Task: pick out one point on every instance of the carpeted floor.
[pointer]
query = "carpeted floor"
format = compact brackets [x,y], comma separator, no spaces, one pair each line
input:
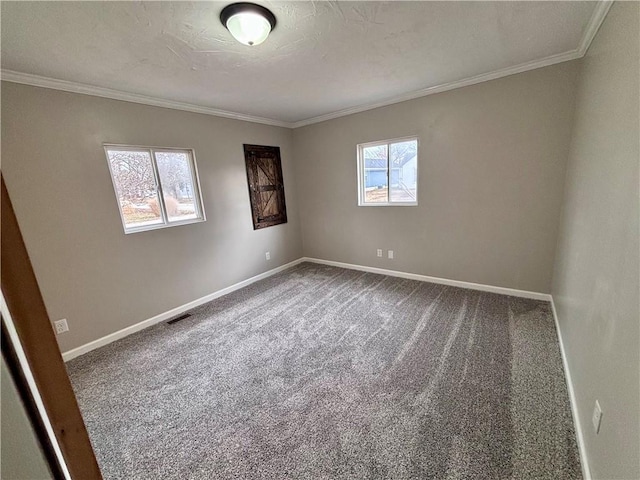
[322,373]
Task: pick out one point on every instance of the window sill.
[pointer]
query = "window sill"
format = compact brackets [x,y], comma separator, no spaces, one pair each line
[393,204]
[160,226]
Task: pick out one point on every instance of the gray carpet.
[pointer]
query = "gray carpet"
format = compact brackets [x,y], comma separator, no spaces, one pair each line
[322,373]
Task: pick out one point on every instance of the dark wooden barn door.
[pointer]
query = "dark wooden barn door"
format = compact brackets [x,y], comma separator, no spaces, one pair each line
[266,186]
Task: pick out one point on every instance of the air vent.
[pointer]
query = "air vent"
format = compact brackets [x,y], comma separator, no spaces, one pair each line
[177,319]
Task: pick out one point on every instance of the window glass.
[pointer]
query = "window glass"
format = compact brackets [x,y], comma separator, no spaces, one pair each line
[136,187]
[174,169]
[388,172]
[154,188]
[403,164]
[376,174]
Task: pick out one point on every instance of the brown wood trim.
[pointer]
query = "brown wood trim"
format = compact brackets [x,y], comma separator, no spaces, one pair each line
[31,320]
[19,380]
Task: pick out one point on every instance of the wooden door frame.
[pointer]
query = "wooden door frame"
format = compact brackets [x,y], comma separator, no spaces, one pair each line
[37,340]
[18,377]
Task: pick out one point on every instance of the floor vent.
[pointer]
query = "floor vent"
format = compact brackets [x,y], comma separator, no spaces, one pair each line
[177,319]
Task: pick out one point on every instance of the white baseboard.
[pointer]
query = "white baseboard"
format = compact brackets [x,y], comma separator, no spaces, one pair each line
[584,461]
[582,449]
[112,337]
[393,273]
[442,281]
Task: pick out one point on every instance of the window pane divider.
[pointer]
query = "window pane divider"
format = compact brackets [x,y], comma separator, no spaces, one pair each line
[388,174]
[159,192]
[195,181]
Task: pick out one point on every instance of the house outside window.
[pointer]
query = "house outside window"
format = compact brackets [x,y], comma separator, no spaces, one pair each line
[388,172]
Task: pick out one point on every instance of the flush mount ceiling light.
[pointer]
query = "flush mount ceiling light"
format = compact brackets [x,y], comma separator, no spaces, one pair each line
[248,23]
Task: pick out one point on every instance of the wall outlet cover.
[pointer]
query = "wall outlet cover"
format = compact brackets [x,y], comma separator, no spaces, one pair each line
[390,253]
[267,255]
[379,252]
[61,326]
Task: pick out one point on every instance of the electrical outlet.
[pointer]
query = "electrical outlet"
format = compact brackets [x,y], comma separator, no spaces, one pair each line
[390,253]
[380,252]
[597,417]
[267,255]
[61,326]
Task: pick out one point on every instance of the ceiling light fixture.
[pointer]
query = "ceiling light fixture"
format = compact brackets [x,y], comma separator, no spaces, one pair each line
[249,23]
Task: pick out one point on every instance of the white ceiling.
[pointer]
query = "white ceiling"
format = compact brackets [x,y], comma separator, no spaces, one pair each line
[323,59]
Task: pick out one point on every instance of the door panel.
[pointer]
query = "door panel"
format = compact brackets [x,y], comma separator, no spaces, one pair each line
[266,185]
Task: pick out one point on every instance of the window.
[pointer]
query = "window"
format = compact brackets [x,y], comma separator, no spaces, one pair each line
[388,172]
[155,187]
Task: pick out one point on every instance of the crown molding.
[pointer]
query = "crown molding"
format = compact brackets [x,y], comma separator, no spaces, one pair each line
[465,82]
[84,89]
[598,16]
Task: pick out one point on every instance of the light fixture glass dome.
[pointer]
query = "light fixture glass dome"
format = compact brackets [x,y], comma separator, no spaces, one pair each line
[249,28]
[249,23]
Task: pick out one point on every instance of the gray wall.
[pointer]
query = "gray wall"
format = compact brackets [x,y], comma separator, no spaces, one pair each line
[492,163]
[492,178]
[89,271]
[596,286]
[22,457]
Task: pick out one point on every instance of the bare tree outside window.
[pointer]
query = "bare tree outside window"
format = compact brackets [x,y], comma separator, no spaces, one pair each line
[155,188]
[177,185]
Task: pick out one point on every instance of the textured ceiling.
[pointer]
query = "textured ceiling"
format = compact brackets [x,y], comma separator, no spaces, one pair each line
[322,57]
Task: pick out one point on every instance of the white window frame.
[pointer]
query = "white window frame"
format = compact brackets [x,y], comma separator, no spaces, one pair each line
[361,172]
[195,179]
